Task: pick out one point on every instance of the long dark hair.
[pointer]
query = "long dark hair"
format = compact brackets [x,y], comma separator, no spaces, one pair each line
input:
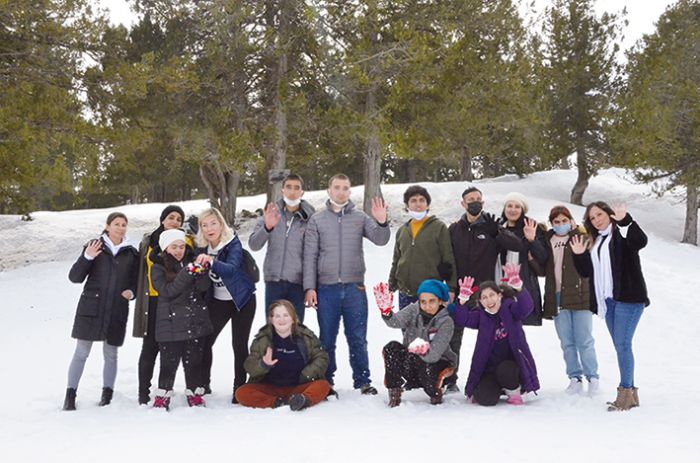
[587,221]
[173,266]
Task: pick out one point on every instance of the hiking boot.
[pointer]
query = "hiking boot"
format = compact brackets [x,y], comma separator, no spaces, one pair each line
[624,400]
[593,387]
[195,399]
[394,397]
[635,397]
[368,389]
[575,386]
[106,399]
[69,401]
[162,399]
[437,398]
[298,402]
[451,388]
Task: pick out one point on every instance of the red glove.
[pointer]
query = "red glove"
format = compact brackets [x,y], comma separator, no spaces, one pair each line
[466,289]
[384,298]
[511,276]
[419,346]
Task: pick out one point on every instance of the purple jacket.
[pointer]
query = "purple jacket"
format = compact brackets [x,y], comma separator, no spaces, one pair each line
[513,311]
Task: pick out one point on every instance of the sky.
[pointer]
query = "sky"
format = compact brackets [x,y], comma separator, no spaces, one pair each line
[641,14]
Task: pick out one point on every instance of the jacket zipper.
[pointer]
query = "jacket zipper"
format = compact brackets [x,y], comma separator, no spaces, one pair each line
[340,244]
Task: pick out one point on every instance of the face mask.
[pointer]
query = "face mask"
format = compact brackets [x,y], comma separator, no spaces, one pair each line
[474,208]
[417,215]
[340,206]
[562,229]
[291,202]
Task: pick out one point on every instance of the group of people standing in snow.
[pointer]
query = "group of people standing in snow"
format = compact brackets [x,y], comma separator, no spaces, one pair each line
[480,272]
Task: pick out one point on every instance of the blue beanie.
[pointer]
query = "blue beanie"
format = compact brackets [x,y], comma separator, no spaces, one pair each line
[438,288]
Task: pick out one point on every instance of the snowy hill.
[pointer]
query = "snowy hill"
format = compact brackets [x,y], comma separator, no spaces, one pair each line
[35,349]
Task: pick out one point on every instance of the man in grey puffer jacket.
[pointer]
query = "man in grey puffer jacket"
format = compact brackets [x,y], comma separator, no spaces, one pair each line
[334,273]
[282,227]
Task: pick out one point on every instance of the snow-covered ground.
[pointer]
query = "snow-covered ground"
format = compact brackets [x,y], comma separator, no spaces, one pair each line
[35,349]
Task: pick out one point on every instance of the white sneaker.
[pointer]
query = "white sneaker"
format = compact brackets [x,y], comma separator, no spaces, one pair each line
[575,386]
[593,386]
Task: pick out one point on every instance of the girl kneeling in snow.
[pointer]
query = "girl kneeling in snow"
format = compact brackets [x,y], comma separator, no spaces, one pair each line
[502,361]
[182,317]
[425,358]
[287,364]
[111,265]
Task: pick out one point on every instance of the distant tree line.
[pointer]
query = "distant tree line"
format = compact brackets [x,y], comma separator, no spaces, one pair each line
[202,99]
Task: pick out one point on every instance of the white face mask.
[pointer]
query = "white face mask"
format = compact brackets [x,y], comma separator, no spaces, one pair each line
[340,206]
[417,215]
[291,202]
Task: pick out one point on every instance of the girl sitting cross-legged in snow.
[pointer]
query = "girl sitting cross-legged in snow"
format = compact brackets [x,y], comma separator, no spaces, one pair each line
[182,318]
[502,361]
[287,364]
[424,359]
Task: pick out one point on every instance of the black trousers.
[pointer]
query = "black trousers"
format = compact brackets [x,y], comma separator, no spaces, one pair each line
[403,368]
[149,350]
[220,312]
[191,353]
[491,385]
[456,346]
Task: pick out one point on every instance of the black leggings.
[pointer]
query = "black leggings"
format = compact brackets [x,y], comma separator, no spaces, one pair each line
[491,385]
[149,349]
[191,353]
[220,312]
[401,365]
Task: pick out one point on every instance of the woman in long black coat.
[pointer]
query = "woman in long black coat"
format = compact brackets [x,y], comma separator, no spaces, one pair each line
[110,265]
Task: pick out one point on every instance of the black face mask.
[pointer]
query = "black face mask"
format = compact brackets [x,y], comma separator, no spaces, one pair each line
[474,208]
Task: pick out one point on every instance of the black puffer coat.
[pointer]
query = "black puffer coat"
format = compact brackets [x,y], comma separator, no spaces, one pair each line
[182,311]
[102,311]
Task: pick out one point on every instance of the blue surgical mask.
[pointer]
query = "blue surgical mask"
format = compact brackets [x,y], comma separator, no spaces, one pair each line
[417,215]
[562,229]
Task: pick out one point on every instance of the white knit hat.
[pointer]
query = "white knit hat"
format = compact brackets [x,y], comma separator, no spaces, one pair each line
[168,237]
[518,198]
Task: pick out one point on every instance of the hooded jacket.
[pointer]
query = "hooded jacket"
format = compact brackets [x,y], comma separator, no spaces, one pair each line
[285,243]
[102,311]
[333,251]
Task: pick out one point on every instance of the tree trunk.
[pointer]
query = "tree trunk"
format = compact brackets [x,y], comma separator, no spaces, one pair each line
[466,171]
[135,195]
[412,171]
[690,232]
[582,180]
[373,155]
[222,185]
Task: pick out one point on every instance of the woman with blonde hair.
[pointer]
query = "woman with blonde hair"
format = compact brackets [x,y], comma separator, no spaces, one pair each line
[232,294]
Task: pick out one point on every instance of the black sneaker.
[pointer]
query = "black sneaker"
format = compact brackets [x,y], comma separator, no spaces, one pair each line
[279,402]
[368,389]
[144,398]
[207,390]
[69,402]
[299,402]
[451,388]
[332,393]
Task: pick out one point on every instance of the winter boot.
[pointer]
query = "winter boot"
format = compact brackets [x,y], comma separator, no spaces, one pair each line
[575,386]
[514,397]
[635,397]
[394,397]
[162,399]
[195,399]
[332,394]
[368,389]
[106,399]
[69,401]
[280,402]
[437,398]
[623,401]
[299,402]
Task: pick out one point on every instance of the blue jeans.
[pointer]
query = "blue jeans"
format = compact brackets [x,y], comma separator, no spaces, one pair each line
[574,328]
[275,290]
[349,301]
[405,300]
[622,319]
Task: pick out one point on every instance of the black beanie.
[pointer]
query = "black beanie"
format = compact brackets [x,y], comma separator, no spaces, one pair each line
[172,208]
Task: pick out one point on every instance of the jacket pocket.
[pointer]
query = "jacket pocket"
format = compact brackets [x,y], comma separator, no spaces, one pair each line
[89,304]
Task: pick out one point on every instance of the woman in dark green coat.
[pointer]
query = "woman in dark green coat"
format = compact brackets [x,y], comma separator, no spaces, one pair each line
[287,364]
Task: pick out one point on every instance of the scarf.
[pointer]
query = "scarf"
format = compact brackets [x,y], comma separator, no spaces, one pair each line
[602,269]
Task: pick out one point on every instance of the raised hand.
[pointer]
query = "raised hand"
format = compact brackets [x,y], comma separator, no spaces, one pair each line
[511,276]
[530,229]
[380,210]
[490,224]
[466,289]
[578,244]
[271,216]
[267,358]
[619,212]
[384,298]
[94,248]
